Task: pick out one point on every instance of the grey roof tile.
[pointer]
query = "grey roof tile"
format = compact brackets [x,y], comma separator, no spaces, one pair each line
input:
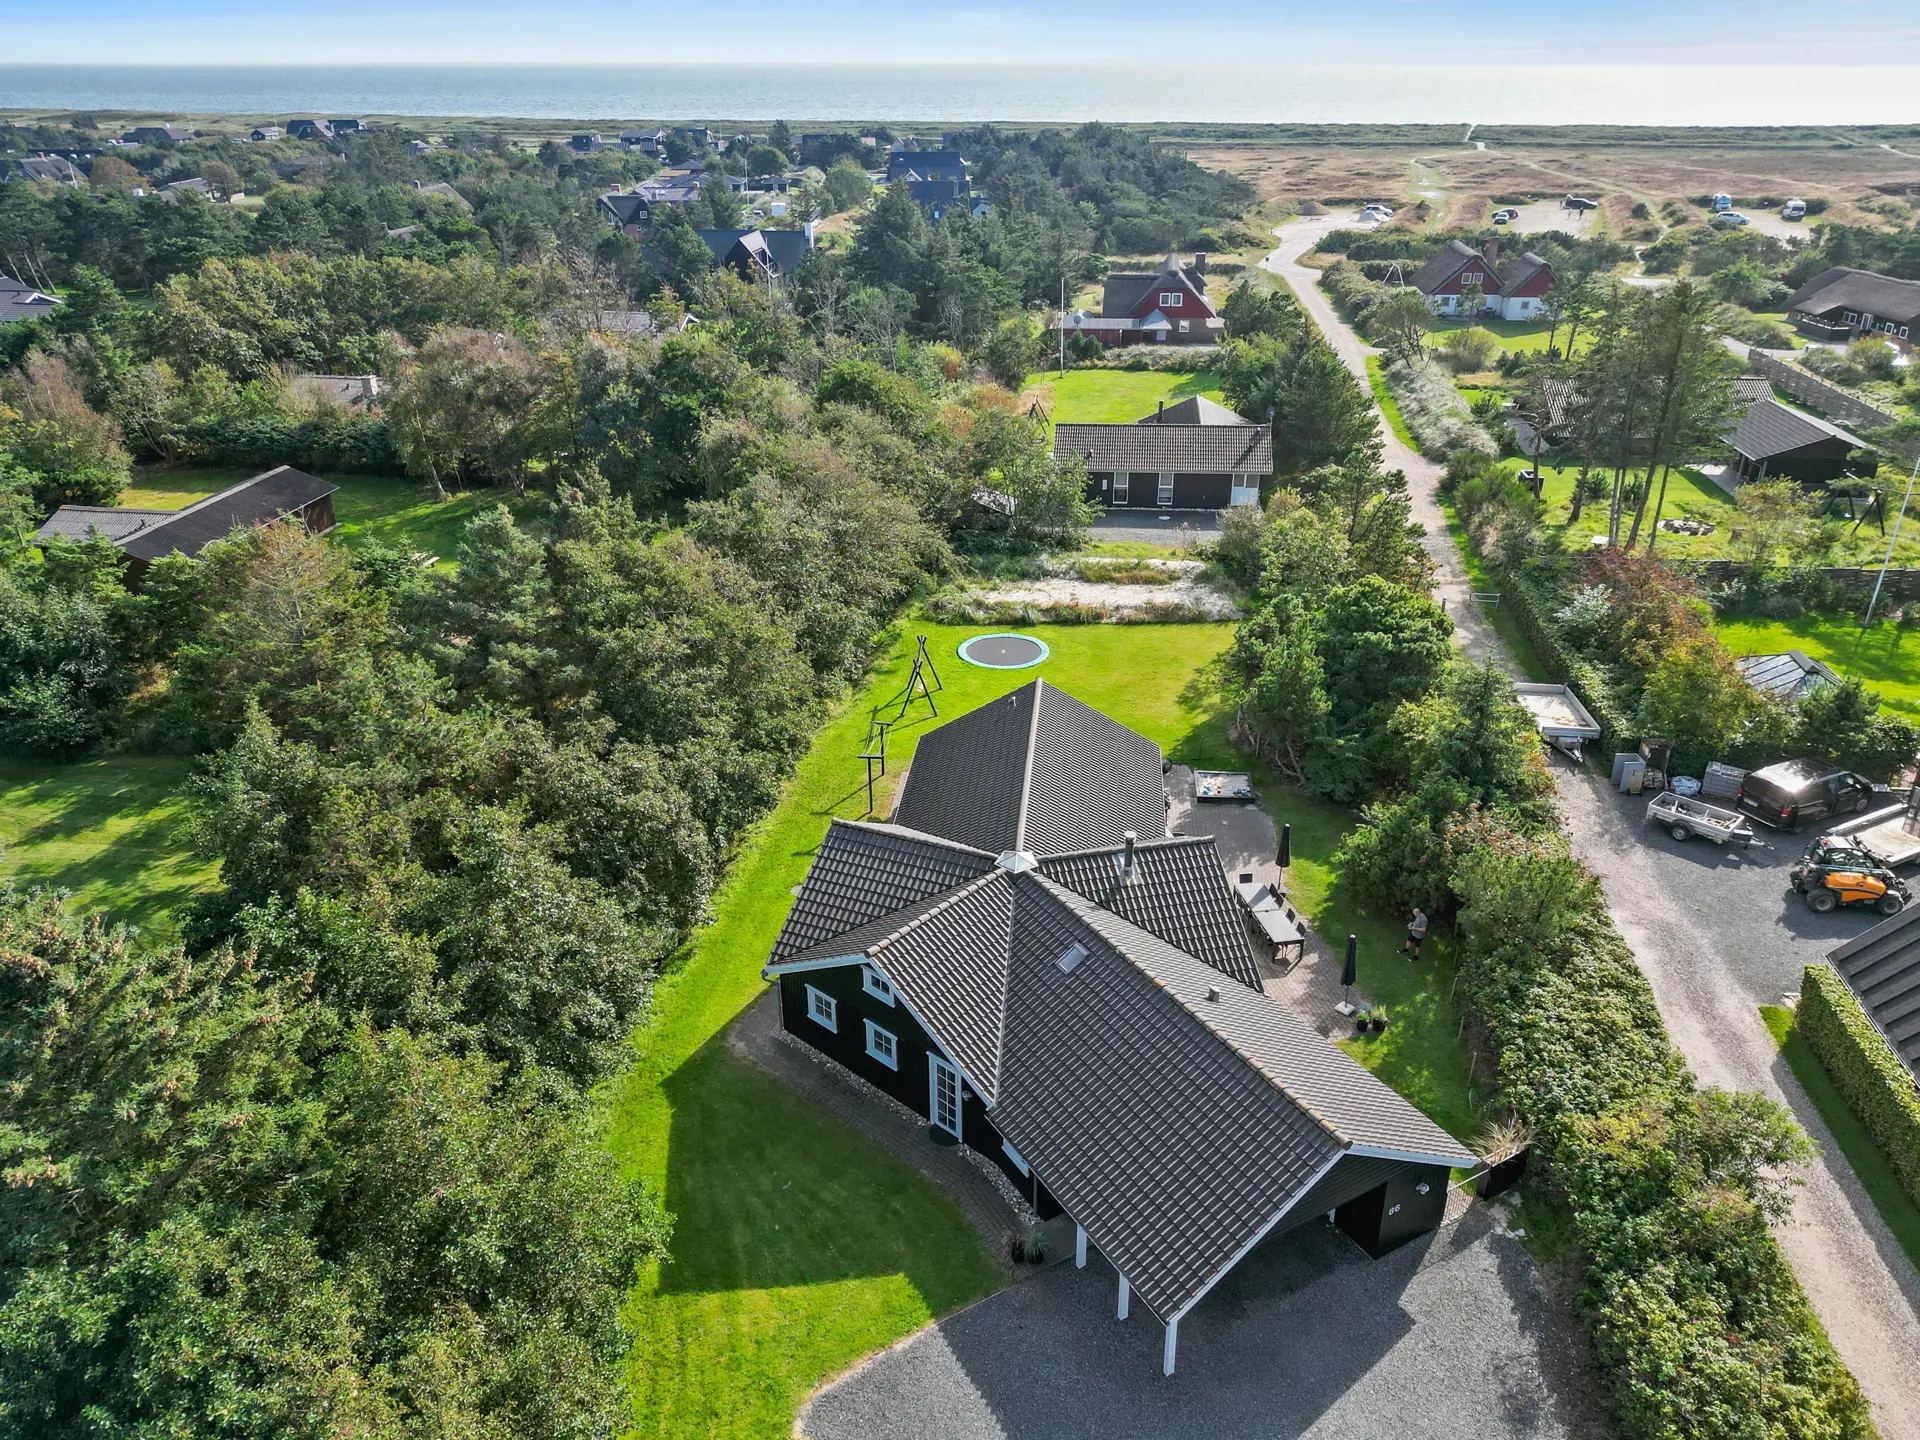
[1182,449]
[968,777]
[1882,968]
[1844,288]
[1770,428]
[1194,410]
[117,523]
[1157,1138]
[1179,892]
[264,498]
[862,872]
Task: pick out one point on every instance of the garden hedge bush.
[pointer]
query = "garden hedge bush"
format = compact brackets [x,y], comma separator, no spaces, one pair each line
[1866,1070]
[358,443]
[1521,598]
[1699,1324]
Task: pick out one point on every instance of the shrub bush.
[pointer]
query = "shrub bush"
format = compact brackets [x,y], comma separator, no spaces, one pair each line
[1698,1322]
[1866,1070]
[1435,412]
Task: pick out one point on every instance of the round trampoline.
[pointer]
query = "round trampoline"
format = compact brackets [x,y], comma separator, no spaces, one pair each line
[1003,651]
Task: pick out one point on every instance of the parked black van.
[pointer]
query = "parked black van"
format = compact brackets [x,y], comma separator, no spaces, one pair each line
[1795,792]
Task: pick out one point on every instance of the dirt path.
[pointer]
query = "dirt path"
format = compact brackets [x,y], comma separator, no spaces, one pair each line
[1452,587]
[1859,1281]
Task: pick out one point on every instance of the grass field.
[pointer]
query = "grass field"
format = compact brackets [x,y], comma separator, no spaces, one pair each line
[1115,397]
[1389,407]
[112,831]
[1870,1166]
[390,509]
[1886,657]
[1693,496]
[798,1246]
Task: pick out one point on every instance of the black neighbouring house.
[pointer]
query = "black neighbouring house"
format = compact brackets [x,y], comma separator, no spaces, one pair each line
[1773,440]
[1193,455]
[1025,957]
[146,535]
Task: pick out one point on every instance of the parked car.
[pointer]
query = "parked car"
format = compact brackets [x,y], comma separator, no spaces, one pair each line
[1579,202]
[1383,212]
[1721,204]
[1505,217]
[1730,220]
[1794,210]
[1797,792]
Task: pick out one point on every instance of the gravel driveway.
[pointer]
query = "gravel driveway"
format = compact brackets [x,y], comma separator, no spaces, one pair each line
[1449,1335]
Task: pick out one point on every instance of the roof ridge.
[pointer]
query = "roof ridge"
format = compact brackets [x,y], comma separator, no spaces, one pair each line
[1116,849]
[1097,921]
[1026,777]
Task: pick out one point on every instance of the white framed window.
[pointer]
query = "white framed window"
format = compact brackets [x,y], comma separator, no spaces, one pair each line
[882,1046]
[1120,479]
[823,1010]
[943,1099]
[1171,300]
[876,984]
[1903,332]
[1014,1155]
[1852,317]
[1166,488]
[1183,326]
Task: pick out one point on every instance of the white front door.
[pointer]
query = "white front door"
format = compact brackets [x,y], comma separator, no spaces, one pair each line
[943,1103]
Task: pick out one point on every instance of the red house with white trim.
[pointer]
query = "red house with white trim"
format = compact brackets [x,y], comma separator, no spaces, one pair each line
[1167,306]
[1458,270]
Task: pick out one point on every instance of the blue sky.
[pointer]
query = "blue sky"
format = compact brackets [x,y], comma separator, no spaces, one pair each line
[1441,32]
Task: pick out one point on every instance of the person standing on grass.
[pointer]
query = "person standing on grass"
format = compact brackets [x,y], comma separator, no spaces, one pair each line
[1416,932]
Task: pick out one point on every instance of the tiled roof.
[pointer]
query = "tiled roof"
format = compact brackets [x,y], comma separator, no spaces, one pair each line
[862,872]
[1179,892]
[1882,968]
[1194,410]
[1752,389]
[1164,1144]
[1036,770]
[20,301]
[77,522]
[1844,288]
[1444,266]
[1203,449]
[1770,428]
[252,502]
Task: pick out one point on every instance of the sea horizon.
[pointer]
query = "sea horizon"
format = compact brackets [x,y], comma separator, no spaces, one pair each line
[1014,93]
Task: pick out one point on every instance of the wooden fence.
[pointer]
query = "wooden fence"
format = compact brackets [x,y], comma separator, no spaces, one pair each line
[1833,402]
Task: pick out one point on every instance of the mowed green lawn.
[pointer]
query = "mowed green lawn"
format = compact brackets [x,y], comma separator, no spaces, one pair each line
[385,509]
[113,831]
[1693,496]
[799,1246]
[1886,657]
[1115,397]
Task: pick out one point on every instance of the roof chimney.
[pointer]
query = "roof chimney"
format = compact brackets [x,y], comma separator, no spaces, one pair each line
[1213,992]
[1160,415]
[1127,870]
[1492,251]
[1199,262]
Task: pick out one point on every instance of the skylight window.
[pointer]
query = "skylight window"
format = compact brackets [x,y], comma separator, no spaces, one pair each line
[1070,958]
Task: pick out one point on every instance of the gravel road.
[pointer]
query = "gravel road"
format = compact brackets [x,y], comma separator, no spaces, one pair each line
[1717,938]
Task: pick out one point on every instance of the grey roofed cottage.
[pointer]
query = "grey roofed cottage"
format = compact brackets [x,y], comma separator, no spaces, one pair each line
[56,168]
[1774,439]
[154,134]
[1168,461]
[354,393]
[20,301]
[144,536]
[1842,303]
[1065,988]
[1882,968]
[759,254]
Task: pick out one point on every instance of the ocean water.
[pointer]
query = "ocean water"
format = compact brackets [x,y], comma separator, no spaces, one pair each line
[1321,94]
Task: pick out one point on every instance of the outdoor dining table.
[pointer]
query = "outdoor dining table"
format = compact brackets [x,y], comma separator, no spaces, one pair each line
[1277,920]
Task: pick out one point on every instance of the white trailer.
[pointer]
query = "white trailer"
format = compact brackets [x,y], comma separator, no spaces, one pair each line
[1561,719]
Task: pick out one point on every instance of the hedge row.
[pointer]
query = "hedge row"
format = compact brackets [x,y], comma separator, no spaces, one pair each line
[357,443]
[1699,1324]
[1866,1070]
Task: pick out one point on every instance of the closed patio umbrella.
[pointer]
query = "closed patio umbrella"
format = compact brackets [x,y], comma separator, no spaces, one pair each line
[1286,846]
[1350,972]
